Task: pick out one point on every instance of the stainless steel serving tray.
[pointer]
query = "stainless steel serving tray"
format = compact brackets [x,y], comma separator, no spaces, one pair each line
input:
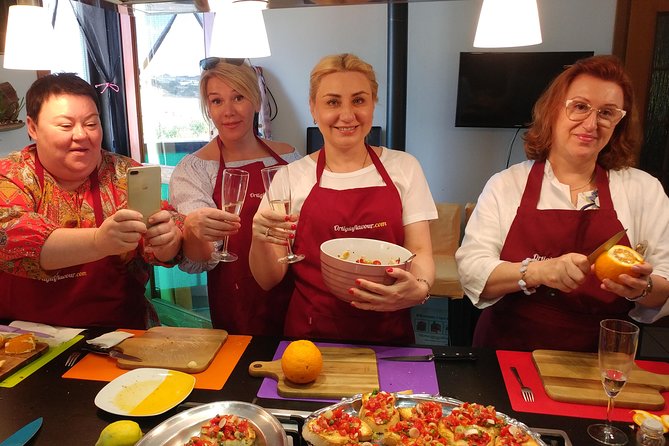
[352,407]
[177,430]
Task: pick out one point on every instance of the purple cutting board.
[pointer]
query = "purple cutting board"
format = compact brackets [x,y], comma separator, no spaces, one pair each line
[394,376]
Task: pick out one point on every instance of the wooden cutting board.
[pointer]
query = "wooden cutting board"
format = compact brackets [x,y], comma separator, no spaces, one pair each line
[575,378]
[189,350]
[14,362]
[346,372]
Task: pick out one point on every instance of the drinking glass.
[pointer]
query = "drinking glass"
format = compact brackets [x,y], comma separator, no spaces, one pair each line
[277,188]
[235,184]
[617,347]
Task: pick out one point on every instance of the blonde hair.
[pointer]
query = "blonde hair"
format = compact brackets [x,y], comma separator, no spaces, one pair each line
[240,77]
[338,63]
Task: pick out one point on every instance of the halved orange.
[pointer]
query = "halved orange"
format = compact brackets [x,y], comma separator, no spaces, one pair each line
[639,415]
[616,261]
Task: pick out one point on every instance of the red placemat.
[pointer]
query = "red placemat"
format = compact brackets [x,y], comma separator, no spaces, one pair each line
[543,404]
[103,368]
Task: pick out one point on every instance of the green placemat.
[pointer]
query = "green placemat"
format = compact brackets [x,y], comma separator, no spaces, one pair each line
[28,370]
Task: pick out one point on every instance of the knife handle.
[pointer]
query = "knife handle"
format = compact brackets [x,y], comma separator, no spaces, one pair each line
[468,356]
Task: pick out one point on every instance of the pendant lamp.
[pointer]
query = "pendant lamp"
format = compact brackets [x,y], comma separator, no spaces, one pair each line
[239,30]
[508,23]
[29,38]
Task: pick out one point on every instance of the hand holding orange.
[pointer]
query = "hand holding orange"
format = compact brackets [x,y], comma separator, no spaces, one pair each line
[301,362]
[616,261]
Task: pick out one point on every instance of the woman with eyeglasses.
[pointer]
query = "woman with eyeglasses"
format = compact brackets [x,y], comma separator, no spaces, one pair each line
[348,189]
[524,255]
[229,97]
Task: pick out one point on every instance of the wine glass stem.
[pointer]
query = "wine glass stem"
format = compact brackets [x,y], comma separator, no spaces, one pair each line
[609,409]
[224,250]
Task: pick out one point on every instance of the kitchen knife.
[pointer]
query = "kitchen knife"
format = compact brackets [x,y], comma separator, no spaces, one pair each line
[434,357]
[606,245]
[23,435]
[114,353]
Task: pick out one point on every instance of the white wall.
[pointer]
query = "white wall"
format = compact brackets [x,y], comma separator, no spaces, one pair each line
[13,140]
[457,161]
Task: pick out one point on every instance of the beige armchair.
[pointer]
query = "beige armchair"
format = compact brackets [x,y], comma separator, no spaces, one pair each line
[445,233]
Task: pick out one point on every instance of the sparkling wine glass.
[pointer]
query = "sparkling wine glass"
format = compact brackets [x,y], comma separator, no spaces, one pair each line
[277,188]
[618,340]
[235,184]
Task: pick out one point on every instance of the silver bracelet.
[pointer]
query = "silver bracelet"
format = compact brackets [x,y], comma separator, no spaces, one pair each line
[646,291]
[428,290]
[523,270]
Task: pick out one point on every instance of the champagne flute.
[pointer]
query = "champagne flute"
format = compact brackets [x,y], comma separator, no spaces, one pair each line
[618,341]
[277,188]
[235,184]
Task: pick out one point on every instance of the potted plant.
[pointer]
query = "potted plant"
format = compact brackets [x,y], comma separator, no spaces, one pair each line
[10,106]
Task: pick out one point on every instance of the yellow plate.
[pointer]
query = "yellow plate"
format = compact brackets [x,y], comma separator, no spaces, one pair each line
[145,392]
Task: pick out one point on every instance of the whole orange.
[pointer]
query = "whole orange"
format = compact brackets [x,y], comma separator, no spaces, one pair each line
[301,362]
[616,261]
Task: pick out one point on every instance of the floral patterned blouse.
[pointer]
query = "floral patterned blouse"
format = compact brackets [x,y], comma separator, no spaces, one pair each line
[29,212]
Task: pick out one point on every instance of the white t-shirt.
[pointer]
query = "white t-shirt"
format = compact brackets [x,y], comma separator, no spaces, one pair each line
[638,198]
[403,169]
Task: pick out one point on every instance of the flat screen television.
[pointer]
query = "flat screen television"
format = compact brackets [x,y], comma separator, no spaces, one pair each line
[499,89]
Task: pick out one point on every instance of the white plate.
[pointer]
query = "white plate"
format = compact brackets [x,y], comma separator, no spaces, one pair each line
[145,392]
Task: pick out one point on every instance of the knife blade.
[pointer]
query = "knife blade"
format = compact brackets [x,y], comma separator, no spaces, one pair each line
[112,352]
[434,357]
[615,238]
[23,435]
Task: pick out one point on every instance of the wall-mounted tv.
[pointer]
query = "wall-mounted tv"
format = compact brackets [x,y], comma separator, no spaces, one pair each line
[499,89]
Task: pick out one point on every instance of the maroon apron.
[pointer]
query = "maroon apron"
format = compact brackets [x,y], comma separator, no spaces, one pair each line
[314,312]
[551,319]
[101,293]
[236,302]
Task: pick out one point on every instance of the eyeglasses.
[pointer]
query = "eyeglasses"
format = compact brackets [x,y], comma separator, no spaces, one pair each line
[580,111]
[210,62]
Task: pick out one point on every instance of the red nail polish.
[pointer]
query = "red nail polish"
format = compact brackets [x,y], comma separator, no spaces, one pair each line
[291,236]
[293,226]
[350,291]
[389,270]
[286,218]
[357,282]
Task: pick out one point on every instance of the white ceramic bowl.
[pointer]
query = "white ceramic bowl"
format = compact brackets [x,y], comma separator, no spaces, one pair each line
[339,273]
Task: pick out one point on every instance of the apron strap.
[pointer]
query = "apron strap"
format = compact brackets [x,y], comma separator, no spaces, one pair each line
[221,166]
[95,189]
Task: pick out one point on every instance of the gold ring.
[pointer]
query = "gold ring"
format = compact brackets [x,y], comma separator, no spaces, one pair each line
[267,232]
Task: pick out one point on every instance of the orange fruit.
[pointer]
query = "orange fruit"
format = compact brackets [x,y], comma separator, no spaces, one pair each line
[640,415]
[301,362]
[616,261]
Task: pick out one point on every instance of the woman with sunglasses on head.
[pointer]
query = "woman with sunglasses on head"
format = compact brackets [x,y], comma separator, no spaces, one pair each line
[230,97]
[348,189]
[524,255]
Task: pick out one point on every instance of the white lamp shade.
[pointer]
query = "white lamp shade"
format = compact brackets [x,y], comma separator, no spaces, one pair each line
[508,23]
[239,31]
[29,38]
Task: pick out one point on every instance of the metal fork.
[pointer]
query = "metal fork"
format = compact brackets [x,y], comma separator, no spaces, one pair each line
[72,359]
[528,396]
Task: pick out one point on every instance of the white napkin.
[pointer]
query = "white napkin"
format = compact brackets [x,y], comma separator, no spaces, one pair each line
[60,334]
[110,339]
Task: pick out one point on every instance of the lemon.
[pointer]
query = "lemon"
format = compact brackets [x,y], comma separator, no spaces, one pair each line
[120,433]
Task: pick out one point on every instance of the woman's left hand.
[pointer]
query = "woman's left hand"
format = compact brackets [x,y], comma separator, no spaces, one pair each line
[404,293]
[629,286]
[163,236]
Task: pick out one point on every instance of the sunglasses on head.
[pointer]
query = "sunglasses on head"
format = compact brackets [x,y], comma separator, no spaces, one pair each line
[210,62]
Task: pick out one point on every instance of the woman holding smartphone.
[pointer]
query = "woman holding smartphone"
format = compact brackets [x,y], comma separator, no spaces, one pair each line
[230,97]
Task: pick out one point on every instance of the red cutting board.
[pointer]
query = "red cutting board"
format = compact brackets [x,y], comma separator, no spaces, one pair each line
[574,377]
[15,362]
[188,350]
[346,372]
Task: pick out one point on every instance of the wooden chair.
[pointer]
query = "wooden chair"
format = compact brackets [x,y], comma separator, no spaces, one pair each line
[445,233]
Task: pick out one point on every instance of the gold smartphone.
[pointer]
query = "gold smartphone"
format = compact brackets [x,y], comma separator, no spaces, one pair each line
[144,190]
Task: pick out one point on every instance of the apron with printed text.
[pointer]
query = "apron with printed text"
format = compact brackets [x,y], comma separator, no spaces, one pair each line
[102,293]
[314,312]
[236,301]
[551,319]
